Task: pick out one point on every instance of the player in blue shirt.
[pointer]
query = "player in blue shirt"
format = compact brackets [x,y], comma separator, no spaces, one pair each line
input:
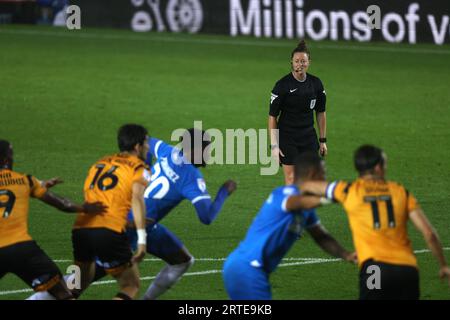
[279,223]
[175,177]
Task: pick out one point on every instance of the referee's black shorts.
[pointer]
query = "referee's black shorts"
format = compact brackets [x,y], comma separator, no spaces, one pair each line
[291,149]
[396,282]
[109,248]
[31,264]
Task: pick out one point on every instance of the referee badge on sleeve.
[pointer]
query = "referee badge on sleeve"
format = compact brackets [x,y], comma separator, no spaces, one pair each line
[273,97]
[312,104]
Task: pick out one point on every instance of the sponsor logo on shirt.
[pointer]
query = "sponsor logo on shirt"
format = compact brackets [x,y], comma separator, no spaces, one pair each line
[201,184]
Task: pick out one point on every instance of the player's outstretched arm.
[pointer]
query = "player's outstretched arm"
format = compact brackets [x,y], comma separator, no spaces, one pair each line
[431,237]
[207,211]
[138,208]
[67,205]
[51,182]
[305,202]
[318,188]
[330,245]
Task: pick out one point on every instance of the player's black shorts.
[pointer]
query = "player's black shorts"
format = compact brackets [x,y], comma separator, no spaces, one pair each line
[31,264]
[397,282]
[292,150]
[110,248]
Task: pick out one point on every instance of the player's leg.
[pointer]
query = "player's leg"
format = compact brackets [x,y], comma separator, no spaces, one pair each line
[288,171]
[245,282]
[99,271]
[287,161]
[165,245]
[87,272]
[128,281]
[84,243]
[35,268]
[114,254]
[45,295]
[12,261]
[290,153]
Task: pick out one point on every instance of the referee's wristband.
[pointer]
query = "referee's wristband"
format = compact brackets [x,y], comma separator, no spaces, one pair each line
[142,236]
[322,140]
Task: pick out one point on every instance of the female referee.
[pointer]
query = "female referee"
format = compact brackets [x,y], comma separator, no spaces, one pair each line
[292,102]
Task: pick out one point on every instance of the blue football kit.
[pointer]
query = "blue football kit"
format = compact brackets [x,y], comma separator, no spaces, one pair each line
[272,233]
[173,179]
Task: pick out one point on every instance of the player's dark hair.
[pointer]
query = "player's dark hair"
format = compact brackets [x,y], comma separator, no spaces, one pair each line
[305,162]
[191,140]
[301,47]
[130,135]
[193,134]
[5,147]
[367,157]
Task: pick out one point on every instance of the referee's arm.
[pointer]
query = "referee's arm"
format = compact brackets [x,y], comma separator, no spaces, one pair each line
[321,118]
[273,125]
[274,111]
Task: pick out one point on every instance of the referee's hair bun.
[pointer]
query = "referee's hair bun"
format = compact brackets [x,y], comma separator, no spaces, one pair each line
[301,47]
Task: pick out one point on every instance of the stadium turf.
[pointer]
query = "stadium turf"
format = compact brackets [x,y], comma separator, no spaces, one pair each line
[63,94]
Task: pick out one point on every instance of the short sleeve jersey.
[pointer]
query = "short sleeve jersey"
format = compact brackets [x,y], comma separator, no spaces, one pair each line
[15,192]
[110,181]
[378,213]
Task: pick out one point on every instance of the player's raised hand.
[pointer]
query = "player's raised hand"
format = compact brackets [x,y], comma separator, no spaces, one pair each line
[444,272]
[140,254]
[94,207]
[230,185]
[51,182]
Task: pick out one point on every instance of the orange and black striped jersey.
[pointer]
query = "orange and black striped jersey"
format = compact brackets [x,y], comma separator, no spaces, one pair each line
[378,212]
[15,192]
[110,181]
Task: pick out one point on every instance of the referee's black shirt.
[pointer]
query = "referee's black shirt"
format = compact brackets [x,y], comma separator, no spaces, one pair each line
[296,100]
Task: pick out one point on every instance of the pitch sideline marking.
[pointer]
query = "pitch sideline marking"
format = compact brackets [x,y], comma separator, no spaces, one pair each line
[199,259]
[188,274]
[206,272]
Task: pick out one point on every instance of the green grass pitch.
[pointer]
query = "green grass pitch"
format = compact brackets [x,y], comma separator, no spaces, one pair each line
[63,94]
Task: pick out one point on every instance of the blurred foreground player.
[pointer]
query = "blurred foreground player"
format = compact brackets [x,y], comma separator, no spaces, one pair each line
[19,254]
[277,226]
[378,211]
